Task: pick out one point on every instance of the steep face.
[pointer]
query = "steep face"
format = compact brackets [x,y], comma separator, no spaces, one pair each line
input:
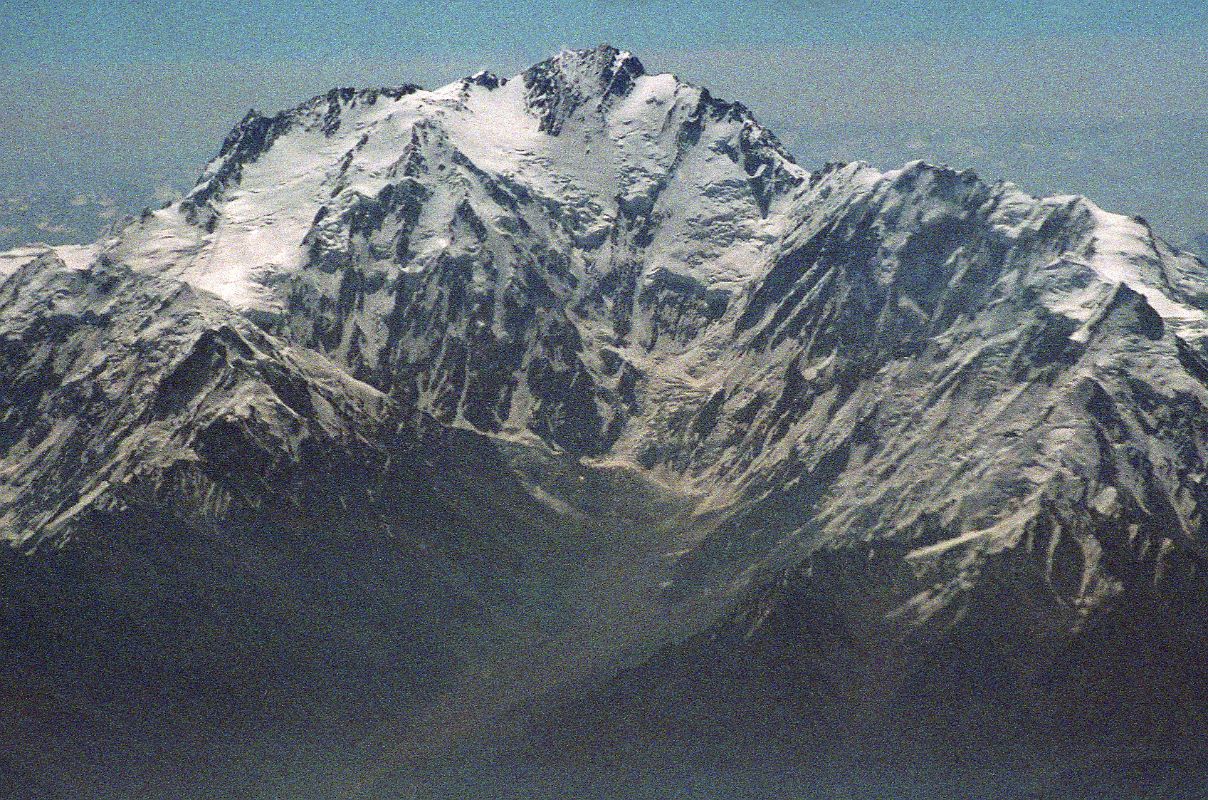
[983,388]
[489,250]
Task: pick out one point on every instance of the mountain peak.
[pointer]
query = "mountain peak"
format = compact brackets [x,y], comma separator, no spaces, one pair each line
[560,86]
[600,62]
[485,79]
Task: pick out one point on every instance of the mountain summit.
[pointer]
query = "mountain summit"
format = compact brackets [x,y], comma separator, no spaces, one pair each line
[567,414]
[573,79]
[553,207]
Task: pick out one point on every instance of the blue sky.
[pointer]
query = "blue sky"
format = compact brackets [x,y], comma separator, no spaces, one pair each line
[1110,99]
[124,31]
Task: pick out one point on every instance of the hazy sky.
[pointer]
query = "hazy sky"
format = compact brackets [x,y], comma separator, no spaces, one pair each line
[125,31]
[1105,98]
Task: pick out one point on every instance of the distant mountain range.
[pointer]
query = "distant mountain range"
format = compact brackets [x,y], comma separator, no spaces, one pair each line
[66,219]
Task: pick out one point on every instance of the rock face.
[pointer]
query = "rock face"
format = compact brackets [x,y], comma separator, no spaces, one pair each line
[581,362]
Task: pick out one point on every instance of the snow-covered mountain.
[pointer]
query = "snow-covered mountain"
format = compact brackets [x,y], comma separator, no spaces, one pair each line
[543,223]
[643,412]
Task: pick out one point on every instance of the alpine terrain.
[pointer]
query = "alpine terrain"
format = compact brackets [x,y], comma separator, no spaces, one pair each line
[561,436]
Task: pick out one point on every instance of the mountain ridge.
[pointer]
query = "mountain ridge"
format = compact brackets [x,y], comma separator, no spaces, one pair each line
[838,421]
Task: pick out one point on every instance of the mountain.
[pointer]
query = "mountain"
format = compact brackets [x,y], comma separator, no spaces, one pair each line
[564,420]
